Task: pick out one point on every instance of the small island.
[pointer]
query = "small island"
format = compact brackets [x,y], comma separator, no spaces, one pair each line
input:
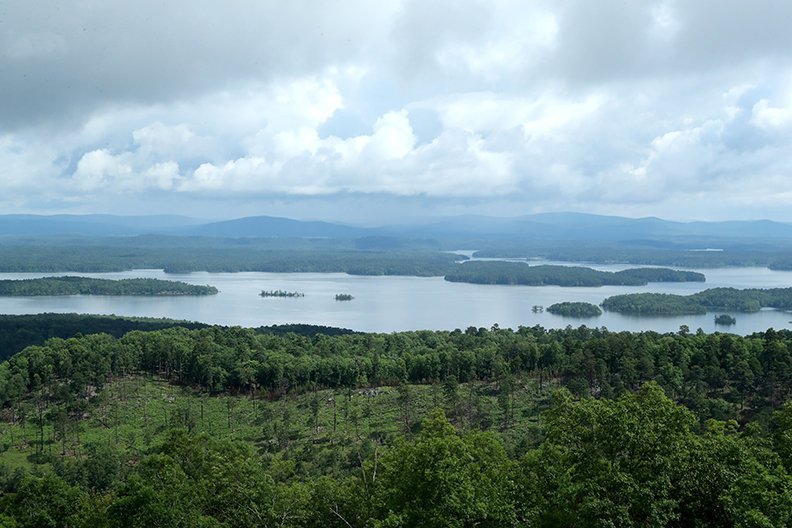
[67,285]
[713,299]
[653,304]
[343,297]
[281,293]
[575,309]
[520,273]
[725,320]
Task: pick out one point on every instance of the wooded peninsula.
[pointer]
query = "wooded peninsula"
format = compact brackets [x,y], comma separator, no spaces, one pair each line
[87,286]
[499,272]
[713,299]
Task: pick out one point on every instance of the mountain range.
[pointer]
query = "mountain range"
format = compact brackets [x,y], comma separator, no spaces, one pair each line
[545,227]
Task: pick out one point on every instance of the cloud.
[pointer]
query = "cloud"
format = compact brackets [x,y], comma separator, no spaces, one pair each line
[498,107]
[770,117]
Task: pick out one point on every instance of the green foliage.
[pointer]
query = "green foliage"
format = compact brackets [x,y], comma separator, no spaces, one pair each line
[443,479]
[715,374]
[652,304]
[20,331]
[725,319]
[498,272]
[575,309]
[44,502]
[87,286]
[634,461]
[221,427]
[747,300]
[782,434]
[637,461]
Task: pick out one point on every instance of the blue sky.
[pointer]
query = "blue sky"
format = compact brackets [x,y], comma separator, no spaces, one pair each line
[372,112]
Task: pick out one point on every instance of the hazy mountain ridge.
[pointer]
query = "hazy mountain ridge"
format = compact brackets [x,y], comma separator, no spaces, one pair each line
[545,226]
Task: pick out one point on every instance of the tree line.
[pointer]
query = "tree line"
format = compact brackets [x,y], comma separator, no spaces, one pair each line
[68,285]
[716,375]
[499,272]
[712,299]
[182,255]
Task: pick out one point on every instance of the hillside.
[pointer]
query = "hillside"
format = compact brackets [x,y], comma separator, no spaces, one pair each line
[232,427]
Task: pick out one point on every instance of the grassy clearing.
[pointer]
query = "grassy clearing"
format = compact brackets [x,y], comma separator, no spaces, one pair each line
[320,432]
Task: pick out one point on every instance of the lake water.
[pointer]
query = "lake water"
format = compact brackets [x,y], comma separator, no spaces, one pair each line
[387,304]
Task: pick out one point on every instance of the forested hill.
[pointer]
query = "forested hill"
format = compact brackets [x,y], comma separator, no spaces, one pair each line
[717,375]
[88,286]
[20,331]
[227,427]
[498,272]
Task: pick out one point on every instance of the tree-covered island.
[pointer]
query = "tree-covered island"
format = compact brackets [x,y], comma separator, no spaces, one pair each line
[713,299]
[725,320]
[575,309]
[281,293]
[652,304]
[88,286]
[520,273]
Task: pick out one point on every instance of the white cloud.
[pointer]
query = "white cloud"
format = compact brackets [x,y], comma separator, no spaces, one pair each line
[553,105]
[99,169]
[768,117]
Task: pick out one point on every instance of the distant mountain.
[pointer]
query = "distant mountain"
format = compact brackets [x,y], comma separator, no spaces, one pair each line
[579,226]
[270,226]
[538,227]
[92,225]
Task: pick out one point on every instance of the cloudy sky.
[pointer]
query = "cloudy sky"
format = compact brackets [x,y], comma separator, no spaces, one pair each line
[374,111]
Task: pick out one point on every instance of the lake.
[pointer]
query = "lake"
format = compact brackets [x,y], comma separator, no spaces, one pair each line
[388,304]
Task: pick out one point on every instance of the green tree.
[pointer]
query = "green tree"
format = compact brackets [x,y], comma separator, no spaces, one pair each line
[444,479]
[606,463]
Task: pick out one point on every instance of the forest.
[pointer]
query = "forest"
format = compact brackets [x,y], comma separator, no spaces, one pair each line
[691,254]
[87,286]
[499,272]
[493,427]
[186,255]
[575,309]
[712,299]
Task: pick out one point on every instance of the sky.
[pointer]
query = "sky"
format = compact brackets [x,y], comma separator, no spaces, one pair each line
[375,112]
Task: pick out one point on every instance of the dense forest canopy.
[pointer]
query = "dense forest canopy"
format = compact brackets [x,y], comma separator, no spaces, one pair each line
[709,373]
[575,309]
[20,331]
[647,429]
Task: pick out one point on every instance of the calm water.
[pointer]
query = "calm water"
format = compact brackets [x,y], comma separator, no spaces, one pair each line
[386,304]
